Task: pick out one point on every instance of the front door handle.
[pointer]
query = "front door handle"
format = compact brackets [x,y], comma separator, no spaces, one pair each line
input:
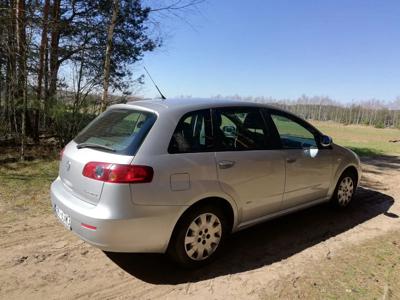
[226,164]
[290,160]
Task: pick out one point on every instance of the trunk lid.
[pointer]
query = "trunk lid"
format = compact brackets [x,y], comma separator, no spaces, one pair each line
[113,137]
[71,166]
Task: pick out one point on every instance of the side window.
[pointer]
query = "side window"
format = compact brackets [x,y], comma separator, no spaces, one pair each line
[192,134]
[238,129]
[292,134]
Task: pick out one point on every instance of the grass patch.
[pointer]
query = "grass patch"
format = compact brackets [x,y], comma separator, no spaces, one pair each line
[25,187]
[366,151]
[364,140]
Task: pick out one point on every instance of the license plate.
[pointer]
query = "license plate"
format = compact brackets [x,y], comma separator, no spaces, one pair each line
[63,217]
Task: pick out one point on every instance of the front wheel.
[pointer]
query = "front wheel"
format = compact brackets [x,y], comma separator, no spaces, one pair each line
[344,191]
[198,236]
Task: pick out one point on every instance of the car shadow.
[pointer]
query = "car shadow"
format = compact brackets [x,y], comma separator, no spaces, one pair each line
[382,162]
[263,244]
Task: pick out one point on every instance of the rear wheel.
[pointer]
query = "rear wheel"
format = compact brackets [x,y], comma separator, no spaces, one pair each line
[345,189]
[198,236]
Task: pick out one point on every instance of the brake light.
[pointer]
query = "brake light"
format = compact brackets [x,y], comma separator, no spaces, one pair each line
[117,173]
[62,153]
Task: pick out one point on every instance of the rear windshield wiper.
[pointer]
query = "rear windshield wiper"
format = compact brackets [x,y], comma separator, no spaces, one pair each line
[92,145]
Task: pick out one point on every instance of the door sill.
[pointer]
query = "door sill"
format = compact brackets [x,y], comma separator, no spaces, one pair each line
[279,214]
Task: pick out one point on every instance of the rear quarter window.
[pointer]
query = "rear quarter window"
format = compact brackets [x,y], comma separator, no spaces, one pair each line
[120,130]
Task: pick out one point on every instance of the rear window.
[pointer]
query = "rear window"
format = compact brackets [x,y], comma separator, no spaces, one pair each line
[117,130]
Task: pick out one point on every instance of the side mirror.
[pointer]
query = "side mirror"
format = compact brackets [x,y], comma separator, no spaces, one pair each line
[325,140]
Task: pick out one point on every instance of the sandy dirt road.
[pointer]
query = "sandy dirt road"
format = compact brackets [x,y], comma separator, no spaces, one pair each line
[40,259]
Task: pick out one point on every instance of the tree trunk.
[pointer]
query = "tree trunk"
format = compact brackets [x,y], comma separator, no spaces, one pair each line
[7,94]
[22,68]
[12,70]
[107,60]
[46,85]
[54,45]
[2,106]
[42,50]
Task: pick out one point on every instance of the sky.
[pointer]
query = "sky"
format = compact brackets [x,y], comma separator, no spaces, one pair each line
[348,50]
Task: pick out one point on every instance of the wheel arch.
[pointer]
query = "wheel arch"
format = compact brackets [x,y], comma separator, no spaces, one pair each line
[227,206]
[340,171]
[353,170]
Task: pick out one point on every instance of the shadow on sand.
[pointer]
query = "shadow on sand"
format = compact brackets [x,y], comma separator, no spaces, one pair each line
[382,162]
[263,244]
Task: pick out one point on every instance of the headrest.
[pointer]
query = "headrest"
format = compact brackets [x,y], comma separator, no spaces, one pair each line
[253,120]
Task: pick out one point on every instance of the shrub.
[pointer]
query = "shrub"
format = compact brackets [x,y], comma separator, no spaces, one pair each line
[65,124]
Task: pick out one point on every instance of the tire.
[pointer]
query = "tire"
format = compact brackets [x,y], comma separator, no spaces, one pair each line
[198,236]
[344,190]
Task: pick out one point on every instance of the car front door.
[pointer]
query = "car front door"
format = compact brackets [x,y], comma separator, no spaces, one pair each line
[250,168]
[308,165]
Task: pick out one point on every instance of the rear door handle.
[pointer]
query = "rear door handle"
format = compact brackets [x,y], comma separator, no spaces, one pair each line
[290,160]
[226,164]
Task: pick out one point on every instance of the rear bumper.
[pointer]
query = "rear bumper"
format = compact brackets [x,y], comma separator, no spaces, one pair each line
[140,228]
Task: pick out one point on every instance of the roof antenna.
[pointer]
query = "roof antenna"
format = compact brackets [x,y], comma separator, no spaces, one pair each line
[162,96]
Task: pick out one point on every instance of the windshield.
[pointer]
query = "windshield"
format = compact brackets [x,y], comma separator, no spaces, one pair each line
[117,130]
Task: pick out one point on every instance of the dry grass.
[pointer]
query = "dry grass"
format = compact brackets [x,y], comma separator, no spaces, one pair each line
[370,270]
[25,188]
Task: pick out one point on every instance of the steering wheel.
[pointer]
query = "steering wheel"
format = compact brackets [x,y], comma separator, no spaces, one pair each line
[240,143]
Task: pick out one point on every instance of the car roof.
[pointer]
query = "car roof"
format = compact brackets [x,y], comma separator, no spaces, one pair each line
[189,104]
[176,107]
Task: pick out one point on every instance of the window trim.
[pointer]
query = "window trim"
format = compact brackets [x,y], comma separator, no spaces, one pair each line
[181,119]
[268,124]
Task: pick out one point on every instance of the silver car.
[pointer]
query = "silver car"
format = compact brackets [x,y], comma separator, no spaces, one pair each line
[179,175]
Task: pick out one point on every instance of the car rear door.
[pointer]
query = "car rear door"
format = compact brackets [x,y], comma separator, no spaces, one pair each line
[250,167]
[187,172]
[308,166]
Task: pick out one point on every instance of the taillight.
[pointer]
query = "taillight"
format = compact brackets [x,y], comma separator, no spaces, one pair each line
[117,173]
[62,153]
